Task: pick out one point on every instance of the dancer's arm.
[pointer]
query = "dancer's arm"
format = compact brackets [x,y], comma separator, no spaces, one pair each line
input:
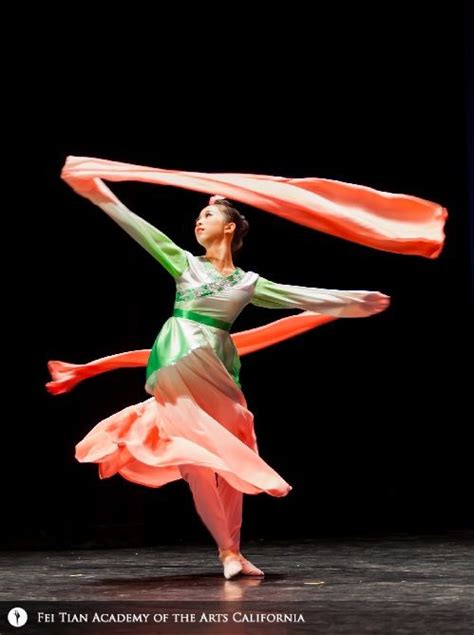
[159,245]
[272,295]
[85,177]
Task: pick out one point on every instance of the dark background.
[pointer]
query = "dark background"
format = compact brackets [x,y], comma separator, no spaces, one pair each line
[370,420]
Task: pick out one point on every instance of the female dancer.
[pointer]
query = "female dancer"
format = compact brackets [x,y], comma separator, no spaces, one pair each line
[197,425]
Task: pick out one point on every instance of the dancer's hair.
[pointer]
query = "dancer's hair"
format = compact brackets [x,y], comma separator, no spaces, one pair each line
[234,216]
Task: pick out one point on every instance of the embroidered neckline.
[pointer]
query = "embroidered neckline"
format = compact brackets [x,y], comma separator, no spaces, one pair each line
[218,283]
[213,269]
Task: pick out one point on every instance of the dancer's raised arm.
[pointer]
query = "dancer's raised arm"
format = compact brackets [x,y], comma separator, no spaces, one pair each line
[85,180]
[158,244]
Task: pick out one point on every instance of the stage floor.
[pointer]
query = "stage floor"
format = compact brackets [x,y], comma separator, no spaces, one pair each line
[397,583]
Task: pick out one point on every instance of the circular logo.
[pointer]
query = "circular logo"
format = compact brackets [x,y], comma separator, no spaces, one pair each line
[17,616]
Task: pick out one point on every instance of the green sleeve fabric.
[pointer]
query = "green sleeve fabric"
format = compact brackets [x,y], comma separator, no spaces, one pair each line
[271,295]
[172,257]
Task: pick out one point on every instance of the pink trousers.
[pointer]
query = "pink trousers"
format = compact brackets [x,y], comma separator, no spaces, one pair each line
[218,504]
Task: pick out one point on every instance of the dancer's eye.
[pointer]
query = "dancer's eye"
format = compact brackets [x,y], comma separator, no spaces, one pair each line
[206,214]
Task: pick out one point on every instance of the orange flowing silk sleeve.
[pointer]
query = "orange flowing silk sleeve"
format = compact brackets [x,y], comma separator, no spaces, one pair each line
[398,223]
[65,375]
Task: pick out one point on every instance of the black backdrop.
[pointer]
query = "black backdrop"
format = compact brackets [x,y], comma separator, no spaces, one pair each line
[369,420]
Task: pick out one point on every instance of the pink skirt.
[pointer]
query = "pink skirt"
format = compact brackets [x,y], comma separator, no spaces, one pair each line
[198,416]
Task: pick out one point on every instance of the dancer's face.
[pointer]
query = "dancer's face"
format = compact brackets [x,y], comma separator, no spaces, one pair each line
[212,225]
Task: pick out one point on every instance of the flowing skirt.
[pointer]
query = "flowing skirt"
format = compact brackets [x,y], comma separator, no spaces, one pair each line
[198,416]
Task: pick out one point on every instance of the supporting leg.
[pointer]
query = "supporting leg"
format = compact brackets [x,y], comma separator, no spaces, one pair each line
[208,503]
[232,503]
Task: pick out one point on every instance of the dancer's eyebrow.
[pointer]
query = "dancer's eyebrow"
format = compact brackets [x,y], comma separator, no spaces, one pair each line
[208,211]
